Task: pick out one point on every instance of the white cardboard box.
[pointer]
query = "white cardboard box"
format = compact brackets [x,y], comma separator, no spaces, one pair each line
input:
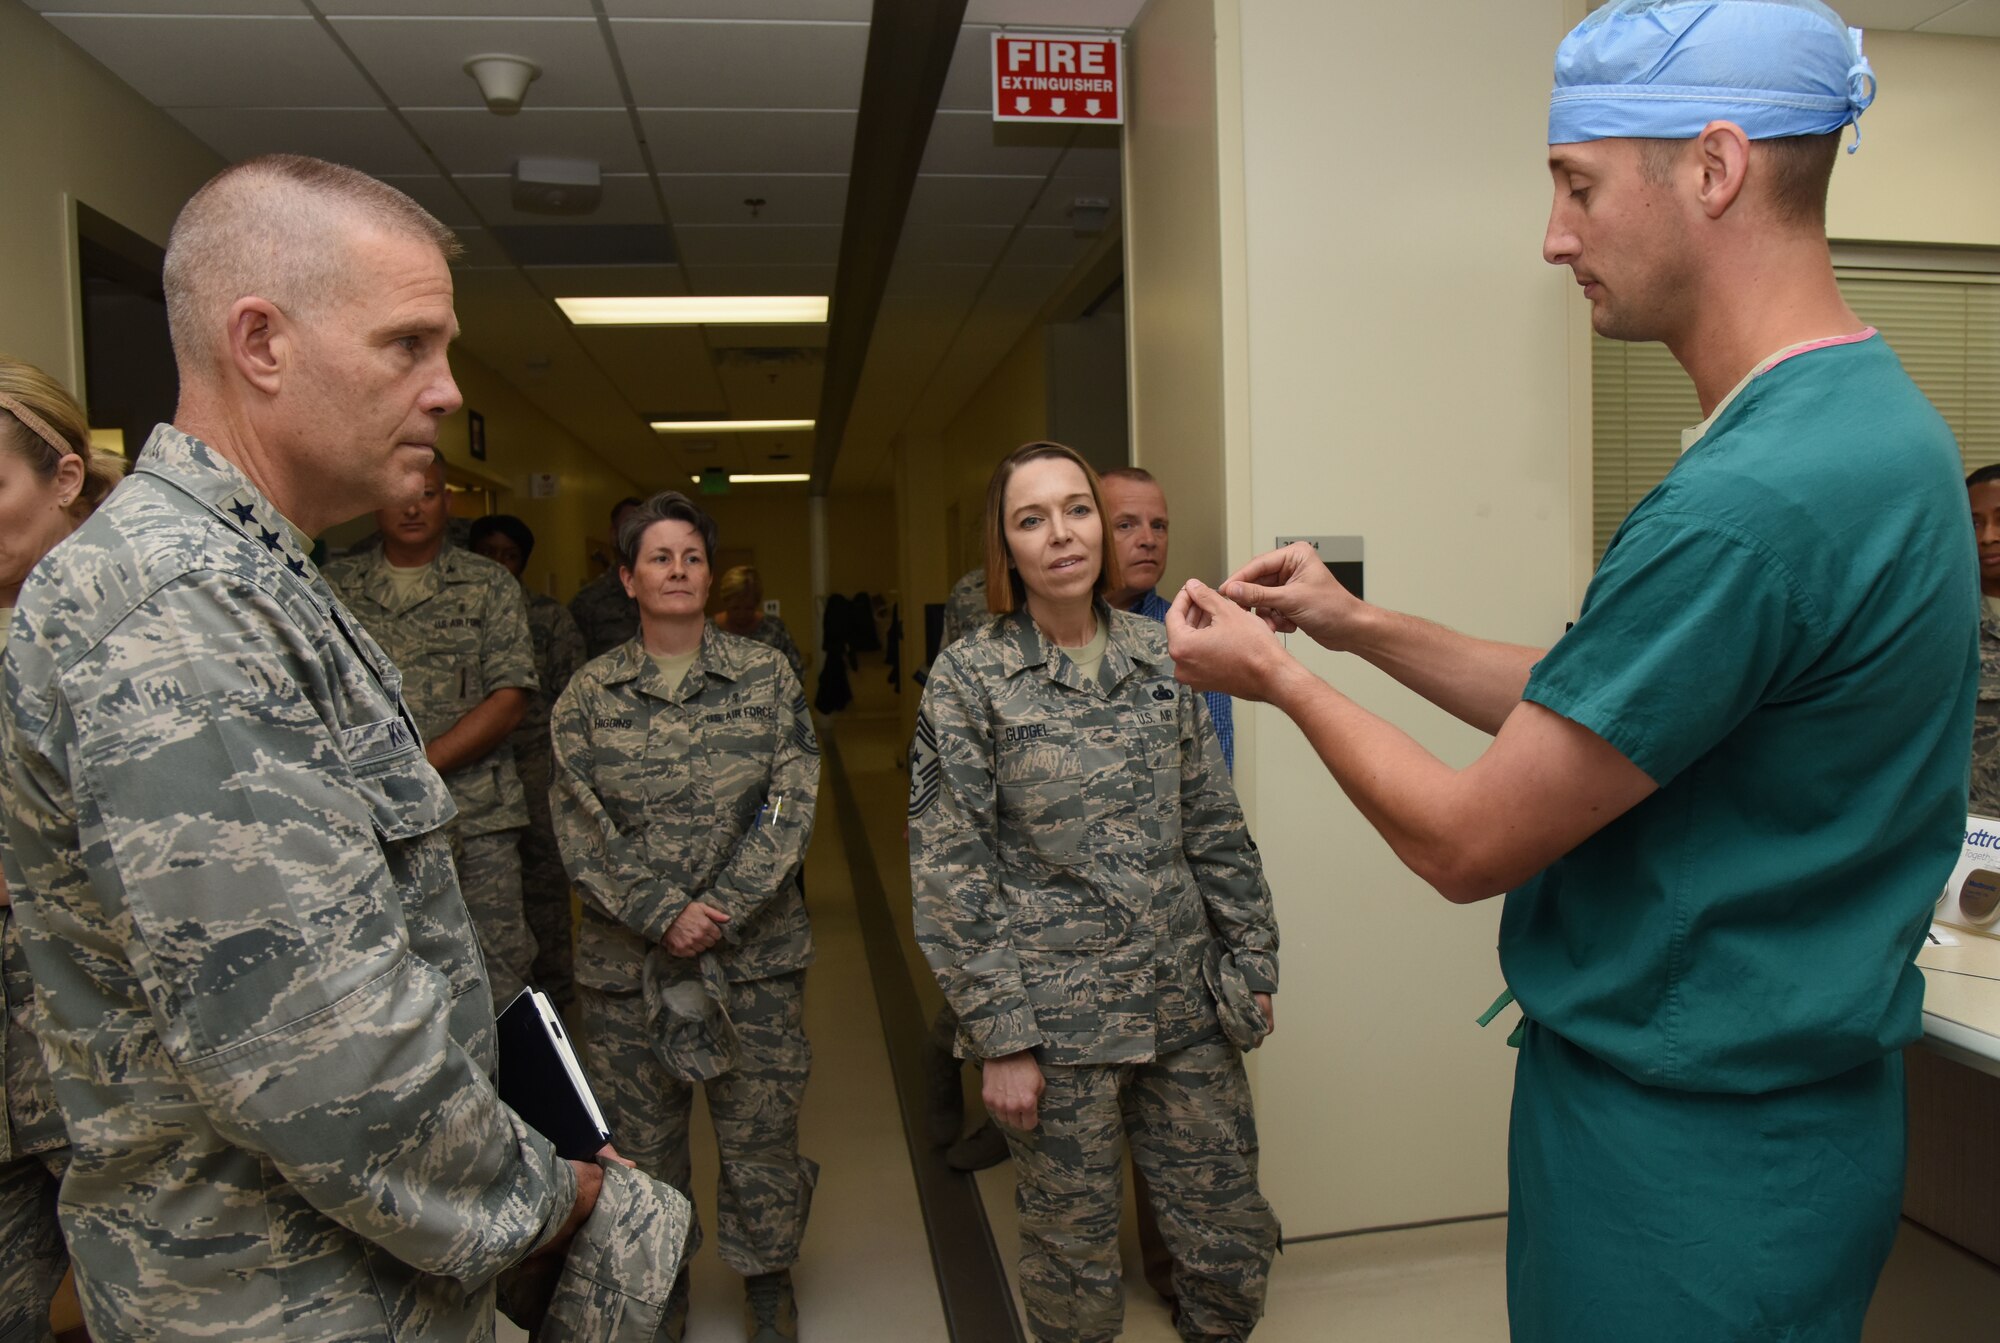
[1972,897]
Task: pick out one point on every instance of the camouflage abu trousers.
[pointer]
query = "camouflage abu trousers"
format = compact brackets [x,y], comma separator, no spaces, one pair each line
[1188,1119]
[32,1257]
[764,1188]
[489,876]
[545,888]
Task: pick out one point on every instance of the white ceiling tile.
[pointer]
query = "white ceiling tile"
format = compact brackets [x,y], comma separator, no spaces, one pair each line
[969,143]
[1057,203]
[969,84]
[1021,288]
[761,279]
[165,6]
[479,142]
[482,252]
[1055,13]
[1975,18]
[369,140]
[659,370]
[628,199]
[775,65]
[435,194]
[961,243]
[914,285]
[420,62]
[858,11]
[757,244]
[463,8]
[971,200]
[750,142]
[612,281]
[807,335]
[221,61]
[1036,246]
[1890,14]
[789,198]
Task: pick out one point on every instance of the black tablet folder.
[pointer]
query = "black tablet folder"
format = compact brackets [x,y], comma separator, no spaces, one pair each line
[541,1080]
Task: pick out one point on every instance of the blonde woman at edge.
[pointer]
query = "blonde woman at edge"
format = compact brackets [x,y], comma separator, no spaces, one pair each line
[1091,903]
[49,482]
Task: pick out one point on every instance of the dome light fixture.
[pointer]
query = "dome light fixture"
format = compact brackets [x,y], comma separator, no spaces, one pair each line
[503,80]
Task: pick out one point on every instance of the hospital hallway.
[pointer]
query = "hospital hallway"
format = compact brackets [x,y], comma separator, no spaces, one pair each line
[901,1249]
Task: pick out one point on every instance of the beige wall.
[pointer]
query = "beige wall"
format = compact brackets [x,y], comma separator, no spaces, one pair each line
[1343,318]
[1926,170]
[74,133]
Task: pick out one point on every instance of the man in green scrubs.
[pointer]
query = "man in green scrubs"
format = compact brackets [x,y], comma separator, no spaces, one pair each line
[1735,788]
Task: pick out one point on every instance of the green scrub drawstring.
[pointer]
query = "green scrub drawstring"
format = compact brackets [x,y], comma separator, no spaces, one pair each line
[1520,1028]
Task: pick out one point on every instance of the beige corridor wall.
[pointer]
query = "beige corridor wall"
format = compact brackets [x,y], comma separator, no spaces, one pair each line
[73,133]
[1925,172]
[1361,316]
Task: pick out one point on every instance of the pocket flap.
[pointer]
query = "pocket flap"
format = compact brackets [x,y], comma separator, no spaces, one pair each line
[406,795]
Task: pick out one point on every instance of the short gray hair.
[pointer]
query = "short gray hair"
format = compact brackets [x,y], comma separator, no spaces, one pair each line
[666,506]
[273,227]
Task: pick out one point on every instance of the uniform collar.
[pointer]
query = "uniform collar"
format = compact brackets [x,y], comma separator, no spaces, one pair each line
[720,654]
[1026,646]
[205,475]
[380,587]
[1989,624]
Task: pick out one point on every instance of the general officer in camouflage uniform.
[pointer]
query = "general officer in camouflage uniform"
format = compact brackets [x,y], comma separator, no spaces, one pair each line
[603,610]
[1982,488]
[456,626]
[741,592]
[686,773]
[1096,914]
[260,996]
[559,655]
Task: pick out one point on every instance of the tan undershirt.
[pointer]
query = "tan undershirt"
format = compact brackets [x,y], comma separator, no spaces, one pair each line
[405,581]
[6,625]
[674,667]
[1089,659]
[1992,609]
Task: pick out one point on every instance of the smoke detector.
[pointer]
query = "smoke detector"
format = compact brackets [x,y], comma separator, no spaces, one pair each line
[557,186]
[503,80]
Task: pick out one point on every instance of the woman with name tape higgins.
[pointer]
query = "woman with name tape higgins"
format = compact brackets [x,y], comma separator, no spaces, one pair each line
[685,775]
[1096,913]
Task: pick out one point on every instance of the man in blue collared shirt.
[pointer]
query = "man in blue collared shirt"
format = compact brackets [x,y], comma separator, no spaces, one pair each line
[1136,508]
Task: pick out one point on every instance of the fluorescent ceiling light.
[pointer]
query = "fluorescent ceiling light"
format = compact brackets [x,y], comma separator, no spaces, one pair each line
[745,310]
[729,426]
[735,479]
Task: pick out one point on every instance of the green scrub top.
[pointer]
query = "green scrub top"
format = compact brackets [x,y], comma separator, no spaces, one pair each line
[1783,636]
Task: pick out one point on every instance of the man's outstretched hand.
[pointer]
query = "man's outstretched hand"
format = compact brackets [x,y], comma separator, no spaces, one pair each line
[1291,589]
[1217,645]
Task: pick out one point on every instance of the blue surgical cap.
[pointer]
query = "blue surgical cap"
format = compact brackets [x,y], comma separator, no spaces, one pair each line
[1663,69]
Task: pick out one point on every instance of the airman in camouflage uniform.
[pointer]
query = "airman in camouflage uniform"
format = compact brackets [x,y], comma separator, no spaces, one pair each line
[664,796]
[1986,723]
[771,632]
[559,655]
[459,635]
[259,991]
[605,613]
[965,608]
[34,1151]
[1082,875]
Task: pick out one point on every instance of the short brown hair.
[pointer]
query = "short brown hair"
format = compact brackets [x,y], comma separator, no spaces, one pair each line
[1798,168]
[666,506]
[40,406]
[1134,473]
[1004,590]
[269,226]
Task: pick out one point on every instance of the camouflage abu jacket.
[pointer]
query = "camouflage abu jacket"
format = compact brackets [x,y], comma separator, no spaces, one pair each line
[964,608]
[771,632]
[271,1036]
[1074,848]
[659,799]
[559,655]
[1986,722]
[460,636]
[605,615]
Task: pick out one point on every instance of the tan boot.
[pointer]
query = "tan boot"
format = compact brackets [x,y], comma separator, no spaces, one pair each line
[770,1312]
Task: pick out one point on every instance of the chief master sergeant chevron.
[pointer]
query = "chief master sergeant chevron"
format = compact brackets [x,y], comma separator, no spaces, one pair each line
[264,1012]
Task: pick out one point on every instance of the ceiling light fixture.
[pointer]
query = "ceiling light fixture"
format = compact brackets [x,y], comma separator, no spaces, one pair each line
[735,479]
[503,80]
[729,426]
[741,310]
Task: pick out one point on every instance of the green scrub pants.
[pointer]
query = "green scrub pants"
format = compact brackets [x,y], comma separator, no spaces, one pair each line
[1640,1213]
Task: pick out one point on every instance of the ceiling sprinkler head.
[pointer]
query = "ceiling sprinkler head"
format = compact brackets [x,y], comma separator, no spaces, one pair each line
[503,80]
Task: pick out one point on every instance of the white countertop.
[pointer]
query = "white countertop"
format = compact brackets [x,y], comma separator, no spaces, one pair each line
[1962,1000]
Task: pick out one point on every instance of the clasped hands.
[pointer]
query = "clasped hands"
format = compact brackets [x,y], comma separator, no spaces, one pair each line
[1221,640]
[698,928]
